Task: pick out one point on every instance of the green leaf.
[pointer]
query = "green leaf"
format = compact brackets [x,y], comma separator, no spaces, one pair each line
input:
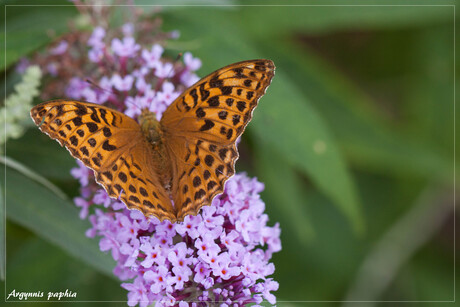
[36,262]
[31,203]
[296,130]
[282,19]
[284,191]
[26,27]
[45,156]
[400,242]
[361,131]
[32,175]
[430,100]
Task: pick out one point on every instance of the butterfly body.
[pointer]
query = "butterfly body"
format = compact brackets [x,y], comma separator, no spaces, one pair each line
[172,167]
[150,127]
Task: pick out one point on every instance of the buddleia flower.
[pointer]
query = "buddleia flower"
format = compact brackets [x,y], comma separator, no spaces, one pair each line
[220,256]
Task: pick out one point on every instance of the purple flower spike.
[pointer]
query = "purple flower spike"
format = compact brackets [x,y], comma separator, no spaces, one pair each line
[222,255]
[75,88]
[52,69]
[102,198]
[153,255]
[22,65]
[167,95]
[210,253]
[164,70]
[152,58]
[191,63]
[81,173]
[83,204]
[128,29]
[96,37]
[137,293]
[122,84]
[96,55]
[125,48]
[60,48]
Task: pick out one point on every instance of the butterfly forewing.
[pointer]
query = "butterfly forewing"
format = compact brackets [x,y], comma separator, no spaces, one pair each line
[111,144]
[218,107]
[202,125]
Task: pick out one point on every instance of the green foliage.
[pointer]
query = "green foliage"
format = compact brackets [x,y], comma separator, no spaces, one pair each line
[61,271]
[293,209]
[45,210]
[357,124]
[26,27]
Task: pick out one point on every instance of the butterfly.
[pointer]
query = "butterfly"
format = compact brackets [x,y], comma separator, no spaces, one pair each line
[168,168]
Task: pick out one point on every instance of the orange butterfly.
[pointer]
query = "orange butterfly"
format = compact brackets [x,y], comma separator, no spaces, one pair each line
[187,156]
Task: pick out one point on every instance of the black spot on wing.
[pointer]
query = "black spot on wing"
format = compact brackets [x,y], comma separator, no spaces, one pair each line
[200,113]
[241,105]
[194,96]
[207,125]
[200,194]
[77,121]
[108,147]
[107,132]
[226,90]
[213,101]
[92,127]
[81,110]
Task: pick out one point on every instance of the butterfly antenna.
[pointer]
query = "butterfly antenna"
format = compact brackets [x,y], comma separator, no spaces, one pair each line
[98,86]
[169,75]
[129,101]
[109,91]
[178,57]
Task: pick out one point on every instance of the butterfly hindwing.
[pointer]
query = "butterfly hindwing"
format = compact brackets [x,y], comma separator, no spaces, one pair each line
[207,166]
[202,126]
[132,178]
[111,144]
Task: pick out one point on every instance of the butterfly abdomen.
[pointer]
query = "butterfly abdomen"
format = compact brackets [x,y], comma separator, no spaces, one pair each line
[151,130]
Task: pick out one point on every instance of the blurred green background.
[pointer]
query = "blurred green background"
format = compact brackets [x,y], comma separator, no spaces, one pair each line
[354,141]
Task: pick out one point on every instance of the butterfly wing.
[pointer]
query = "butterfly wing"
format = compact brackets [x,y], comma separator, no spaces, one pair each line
[111,144]
[201,127]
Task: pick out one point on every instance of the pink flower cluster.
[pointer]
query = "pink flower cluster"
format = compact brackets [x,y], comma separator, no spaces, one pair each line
[219,256]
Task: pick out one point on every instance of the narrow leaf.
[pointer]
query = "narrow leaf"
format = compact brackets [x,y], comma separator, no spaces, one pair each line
[335,15]
[367,139]
[283,189]
[45,212]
